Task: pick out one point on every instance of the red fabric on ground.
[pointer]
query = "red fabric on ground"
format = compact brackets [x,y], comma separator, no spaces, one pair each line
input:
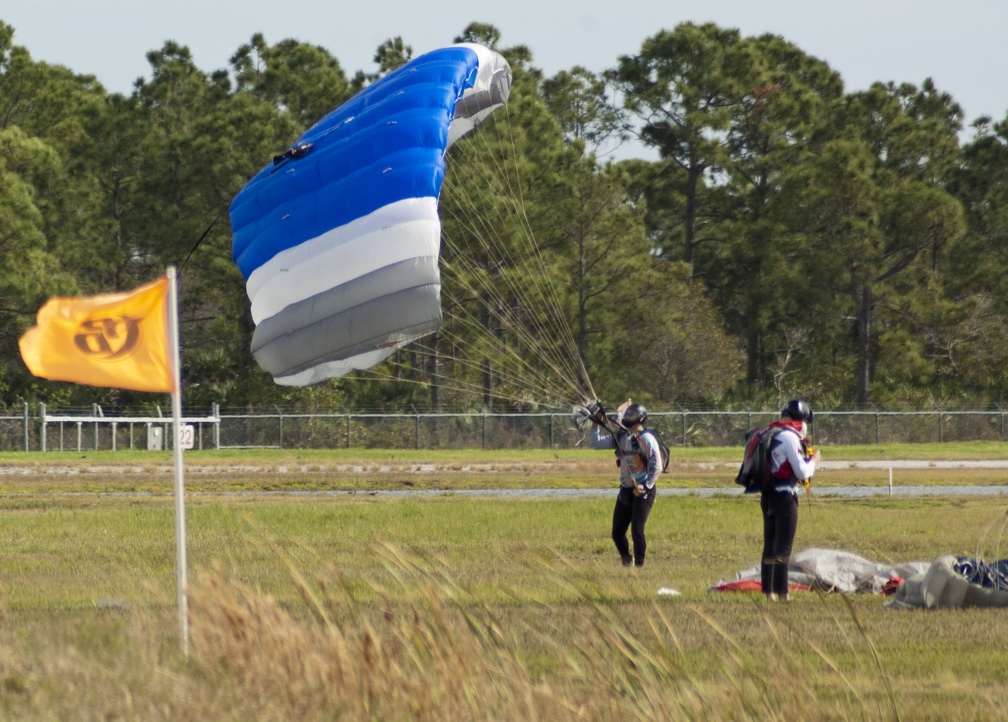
[892,585]
[753,585]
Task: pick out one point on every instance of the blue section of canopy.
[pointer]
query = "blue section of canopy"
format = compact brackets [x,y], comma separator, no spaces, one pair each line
[986,574]
[384,145]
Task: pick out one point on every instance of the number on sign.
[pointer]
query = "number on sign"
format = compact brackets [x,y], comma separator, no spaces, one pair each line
[187,436]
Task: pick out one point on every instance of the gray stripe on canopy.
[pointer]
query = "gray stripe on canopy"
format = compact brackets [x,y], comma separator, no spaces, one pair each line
[374,310]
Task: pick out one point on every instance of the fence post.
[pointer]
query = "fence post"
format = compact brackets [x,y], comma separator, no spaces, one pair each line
[416,436]
[42,425]
[484,430]
[552,442]
[94,413]
[26,426]
[348,431]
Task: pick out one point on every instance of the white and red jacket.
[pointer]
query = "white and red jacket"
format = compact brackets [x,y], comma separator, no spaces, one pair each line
[788,464]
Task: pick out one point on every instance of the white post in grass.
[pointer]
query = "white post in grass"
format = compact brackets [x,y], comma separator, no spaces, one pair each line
[180,524]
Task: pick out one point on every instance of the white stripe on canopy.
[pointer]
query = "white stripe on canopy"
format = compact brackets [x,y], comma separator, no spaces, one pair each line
[401,231]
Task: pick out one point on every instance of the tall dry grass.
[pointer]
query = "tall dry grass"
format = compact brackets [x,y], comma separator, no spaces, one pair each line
[442,655]
[419,646]
[445,656]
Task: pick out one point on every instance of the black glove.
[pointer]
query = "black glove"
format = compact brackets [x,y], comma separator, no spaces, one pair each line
[597,412]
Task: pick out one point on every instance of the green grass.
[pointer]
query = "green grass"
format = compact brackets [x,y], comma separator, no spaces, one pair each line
[353,606]
[365,470]
[954,450]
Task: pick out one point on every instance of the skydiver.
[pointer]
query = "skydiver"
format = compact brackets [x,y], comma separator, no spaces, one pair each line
[790,465]
[639,459]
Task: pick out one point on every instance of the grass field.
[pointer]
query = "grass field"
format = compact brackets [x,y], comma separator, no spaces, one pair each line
[343,605]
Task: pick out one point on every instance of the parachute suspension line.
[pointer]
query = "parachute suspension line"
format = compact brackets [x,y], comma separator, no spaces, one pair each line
[447,381]
[201,238]
[563,325]
[531,382]
[534,320]
[544,382]
[537,337]
[505,265]
[458,310]
[995,549]
[531,262]
[452,381]
[527,234]
[581,370]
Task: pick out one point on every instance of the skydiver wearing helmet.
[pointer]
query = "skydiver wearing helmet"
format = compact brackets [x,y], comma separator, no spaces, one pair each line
[639,459]
[790,465]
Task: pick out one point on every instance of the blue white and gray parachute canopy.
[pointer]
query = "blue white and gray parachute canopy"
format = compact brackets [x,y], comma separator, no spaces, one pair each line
[338,238]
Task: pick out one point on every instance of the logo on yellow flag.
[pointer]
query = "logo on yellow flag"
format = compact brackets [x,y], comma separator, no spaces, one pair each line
[119,340]
[108,338]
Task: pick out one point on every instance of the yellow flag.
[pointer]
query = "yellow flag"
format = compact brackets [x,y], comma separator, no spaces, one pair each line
[119,340]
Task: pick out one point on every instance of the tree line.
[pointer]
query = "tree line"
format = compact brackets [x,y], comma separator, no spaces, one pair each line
[791,238]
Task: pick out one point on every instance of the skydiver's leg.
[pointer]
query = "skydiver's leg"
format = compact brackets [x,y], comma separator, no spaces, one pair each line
[622,515]
[641,510]
[769,536]
[787,525]
[780,522]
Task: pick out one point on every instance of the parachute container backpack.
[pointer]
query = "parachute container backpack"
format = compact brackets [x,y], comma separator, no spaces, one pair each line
[754,474]
[663,450]
[339,237]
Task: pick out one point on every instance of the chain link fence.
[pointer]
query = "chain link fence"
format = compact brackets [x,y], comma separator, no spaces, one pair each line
[91,429]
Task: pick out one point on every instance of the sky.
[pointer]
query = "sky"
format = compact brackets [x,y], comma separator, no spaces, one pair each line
[961,45]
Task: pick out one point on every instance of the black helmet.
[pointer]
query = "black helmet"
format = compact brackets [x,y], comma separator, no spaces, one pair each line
[798,410]
[634,414]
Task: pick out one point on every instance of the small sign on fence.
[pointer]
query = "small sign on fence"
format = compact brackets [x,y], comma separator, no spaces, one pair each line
[187,436]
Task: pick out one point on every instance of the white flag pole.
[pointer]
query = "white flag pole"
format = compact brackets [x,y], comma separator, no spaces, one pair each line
[180,524]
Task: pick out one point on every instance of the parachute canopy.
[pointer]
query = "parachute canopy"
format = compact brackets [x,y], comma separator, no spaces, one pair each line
[338,238]
[947,582]
[830,570]
[952,582]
